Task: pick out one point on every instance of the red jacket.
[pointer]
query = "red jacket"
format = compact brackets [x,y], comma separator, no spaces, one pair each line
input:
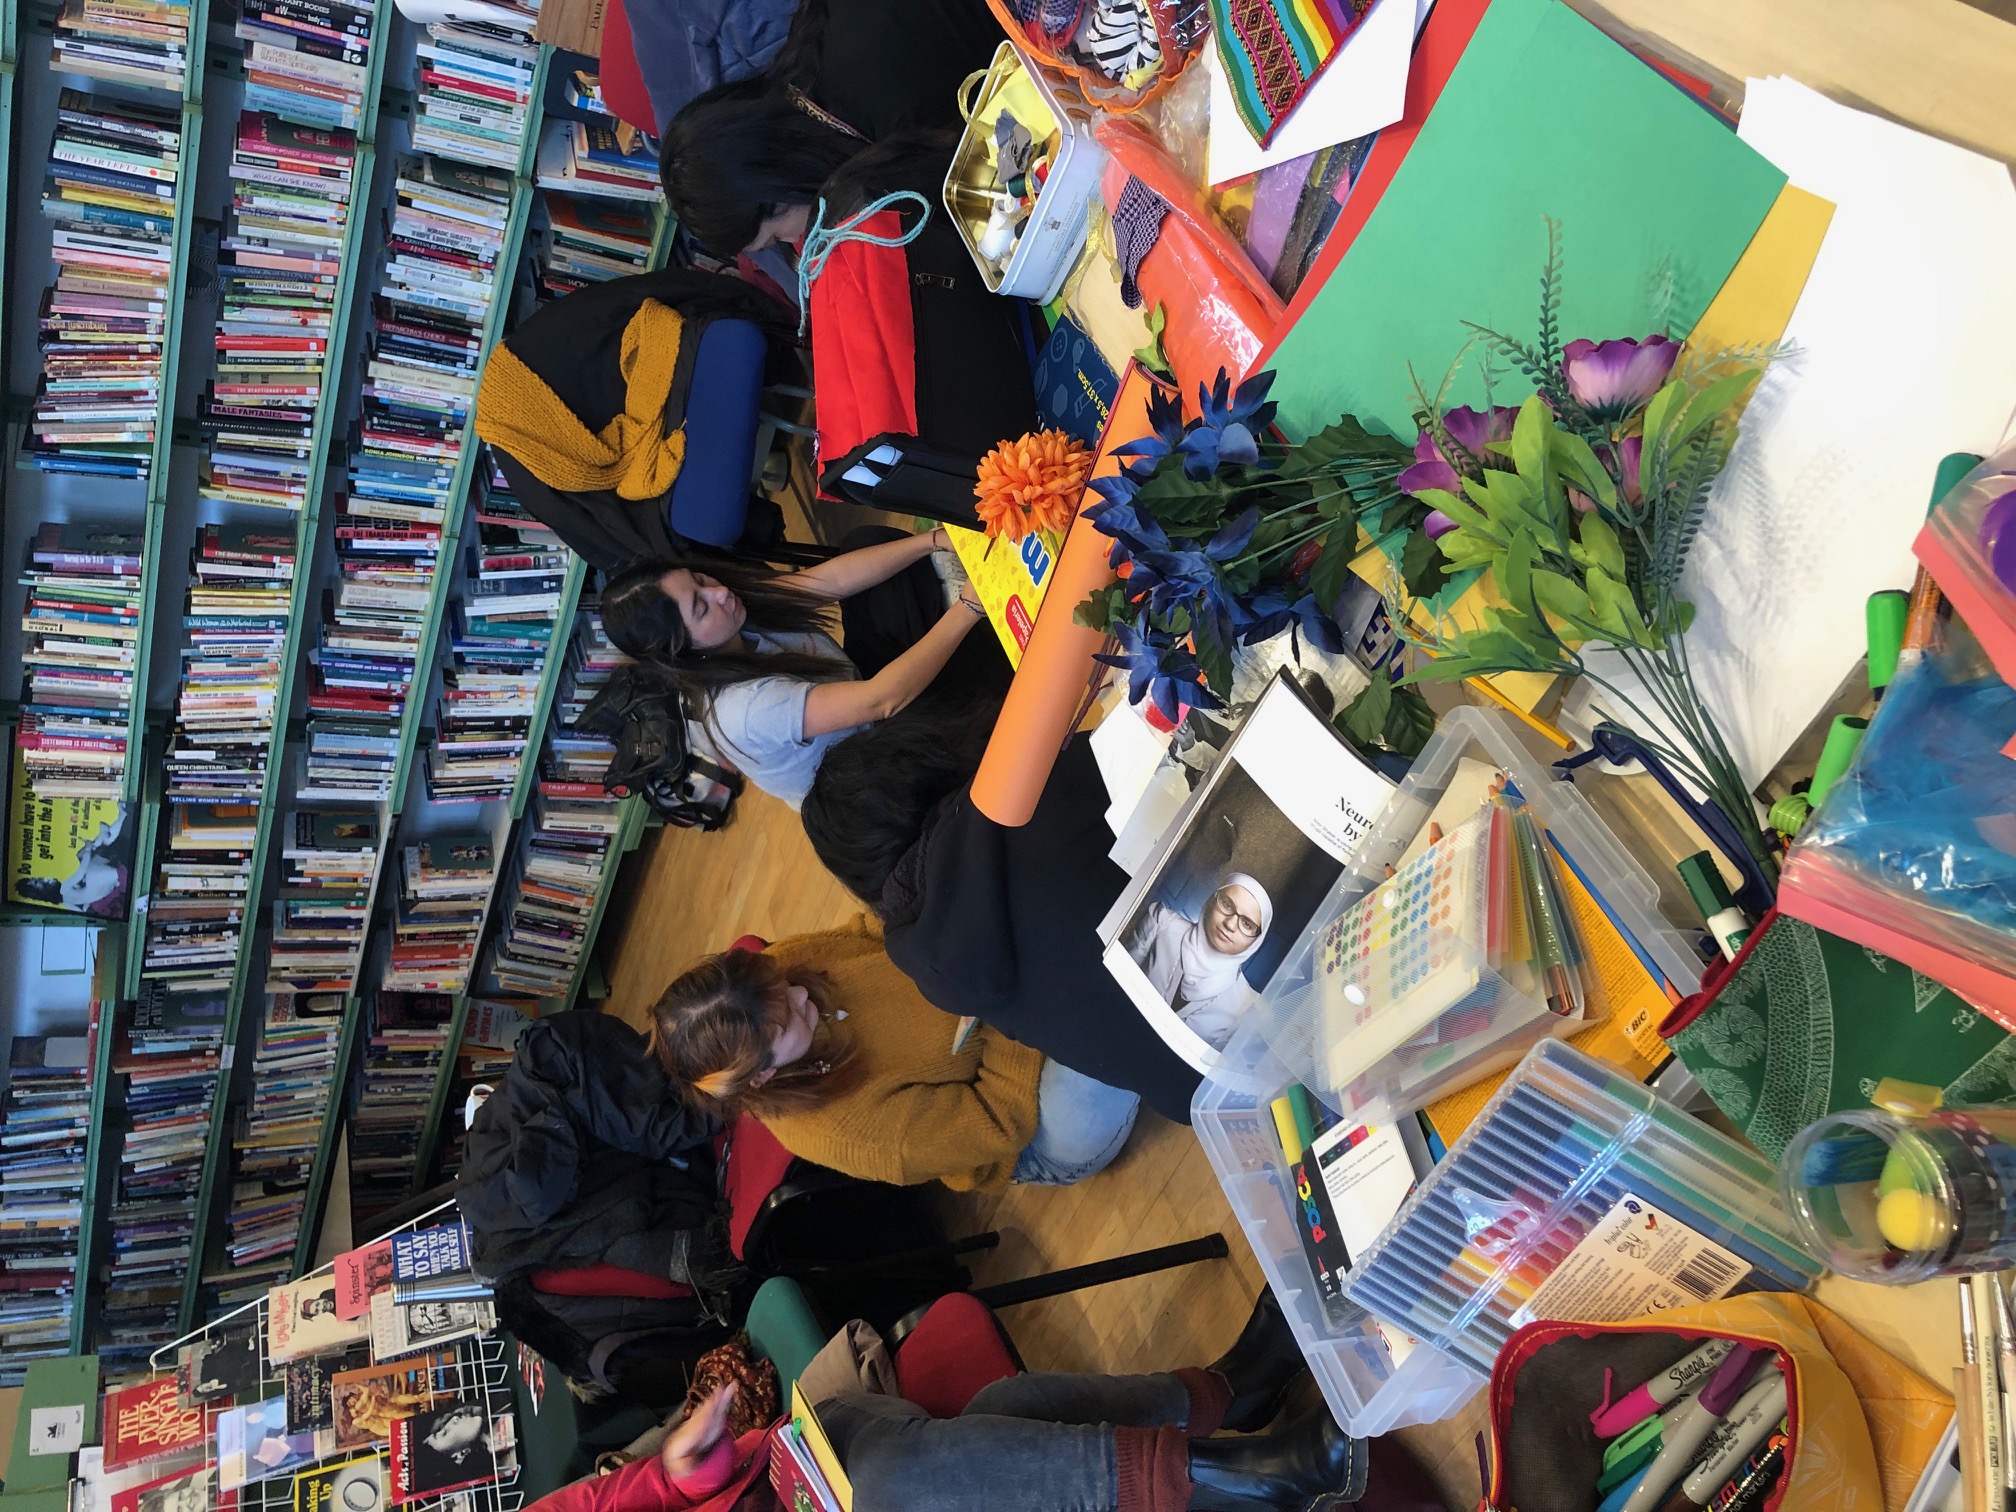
[731,1469]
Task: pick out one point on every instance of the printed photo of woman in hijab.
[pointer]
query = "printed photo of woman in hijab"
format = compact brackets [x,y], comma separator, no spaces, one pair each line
[1195,965]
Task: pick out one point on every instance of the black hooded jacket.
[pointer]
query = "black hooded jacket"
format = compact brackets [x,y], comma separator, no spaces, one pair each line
[584,1155]
[1000,924]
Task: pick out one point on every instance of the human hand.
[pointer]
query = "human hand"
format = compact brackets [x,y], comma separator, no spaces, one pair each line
[688,1445]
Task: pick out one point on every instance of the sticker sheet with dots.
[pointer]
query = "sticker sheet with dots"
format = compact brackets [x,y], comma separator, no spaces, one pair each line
[1398,937]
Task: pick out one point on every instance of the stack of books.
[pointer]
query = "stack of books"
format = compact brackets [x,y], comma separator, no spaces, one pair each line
[503,632]
[241,582]
[555,880]
[45,1120]
[277,1138]
[402,1059]
[598,157]
[142,42]
[171,1077]
[475,100]
[585,242]
[328,862]
[592,659]
[81,629]
[444,893]
[278,266]
[307,60]
[489,1038]
[499,515]
[196,920]
[364,667]
[109,186]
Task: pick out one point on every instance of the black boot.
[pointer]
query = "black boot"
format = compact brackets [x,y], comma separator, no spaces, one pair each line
[1307,1465]
[1263,1362]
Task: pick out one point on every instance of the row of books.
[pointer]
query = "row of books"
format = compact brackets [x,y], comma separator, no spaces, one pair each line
[275,1142]
[308,61]
[601,157]
[196,917]
[170,1056]
[278,267]
[583,241]
[80,638]
[476,100]
[241,583]
[144,42]
[45,1120]
[402,1059]
[444,897]
[109,189]
[503,625]
[322,918]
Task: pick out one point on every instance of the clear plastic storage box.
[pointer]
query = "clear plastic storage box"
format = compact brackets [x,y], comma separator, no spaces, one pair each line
[1324,1023]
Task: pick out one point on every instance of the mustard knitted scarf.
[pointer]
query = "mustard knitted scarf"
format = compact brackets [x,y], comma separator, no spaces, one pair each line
[519,414]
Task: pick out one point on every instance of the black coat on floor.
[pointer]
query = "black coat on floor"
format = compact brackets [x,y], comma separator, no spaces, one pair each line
[1001,924]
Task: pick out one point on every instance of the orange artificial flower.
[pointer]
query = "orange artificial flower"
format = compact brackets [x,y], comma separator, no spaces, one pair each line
[1031,484]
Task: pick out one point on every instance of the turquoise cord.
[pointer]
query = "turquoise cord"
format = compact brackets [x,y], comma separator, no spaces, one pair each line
[821,243]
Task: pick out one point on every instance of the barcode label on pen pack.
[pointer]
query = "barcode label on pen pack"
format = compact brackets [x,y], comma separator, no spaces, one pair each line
[1635,1261]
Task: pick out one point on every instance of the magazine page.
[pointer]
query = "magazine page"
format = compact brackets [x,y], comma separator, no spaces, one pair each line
[1197,937]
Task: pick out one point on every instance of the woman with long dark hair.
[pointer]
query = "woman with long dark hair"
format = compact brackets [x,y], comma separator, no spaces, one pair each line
[827,1044]
[753,653]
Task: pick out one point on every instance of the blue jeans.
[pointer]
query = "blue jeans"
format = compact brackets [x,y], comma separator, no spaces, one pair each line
[1030,1443]
[1081,1126]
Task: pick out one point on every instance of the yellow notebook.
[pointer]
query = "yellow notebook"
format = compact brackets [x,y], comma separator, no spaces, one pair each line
[822,1450]
[1011,578]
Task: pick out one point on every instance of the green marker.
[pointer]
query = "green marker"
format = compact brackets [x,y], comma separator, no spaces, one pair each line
[1844,738]
[1728,923]
[1885,615]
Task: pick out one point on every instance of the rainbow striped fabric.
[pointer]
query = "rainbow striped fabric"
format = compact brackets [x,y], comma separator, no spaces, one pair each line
[1272,51]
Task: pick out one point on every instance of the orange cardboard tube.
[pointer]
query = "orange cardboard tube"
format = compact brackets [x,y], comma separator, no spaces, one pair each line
[1049,688]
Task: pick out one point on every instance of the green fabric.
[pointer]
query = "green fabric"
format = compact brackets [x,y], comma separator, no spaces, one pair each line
[1809,1023]
[783,1330]
[1543,116]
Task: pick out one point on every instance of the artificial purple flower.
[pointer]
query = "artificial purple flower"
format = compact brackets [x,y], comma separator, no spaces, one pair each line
[1621,458]
[1472,431]
[1612,379]
[1437,525]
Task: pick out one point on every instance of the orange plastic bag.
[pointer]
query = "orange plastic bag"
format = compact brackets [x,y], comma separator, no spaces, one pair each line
[1183,26]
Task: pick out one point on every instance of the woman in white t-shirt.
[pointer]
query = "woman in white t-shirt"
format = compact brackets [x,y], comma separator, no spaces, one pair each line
[768,686]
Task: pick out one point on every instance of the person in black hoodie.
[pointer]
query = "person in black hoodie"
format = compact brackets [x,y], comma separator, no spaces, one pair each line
[585,1157]
[994,922]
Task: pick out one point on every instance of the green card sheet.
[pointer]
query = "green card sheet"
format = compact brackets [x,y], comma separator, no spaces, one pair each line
[1544,116]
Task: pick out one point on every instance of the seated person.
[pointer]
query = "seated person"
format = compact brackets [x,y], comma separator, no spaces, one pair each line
[1195,964]
[625,415]
[764,680]
[1031,1443]
[584,1164]
[824,1041]
[989,921]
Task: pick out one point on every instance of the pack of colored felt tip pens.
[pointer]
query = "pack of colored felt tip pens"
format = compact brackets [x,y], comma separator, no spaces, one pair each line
[1577,1195]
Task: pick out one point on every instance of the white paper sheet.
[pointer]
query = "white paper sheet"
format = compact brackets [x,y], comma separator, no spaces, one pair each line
[1904,354]
[1363,89]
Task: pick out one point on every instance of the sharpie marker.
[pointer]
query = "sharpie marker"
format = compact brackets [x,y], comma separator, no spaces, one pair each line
[1683,1429]
[1753,1420]
[1686,1374]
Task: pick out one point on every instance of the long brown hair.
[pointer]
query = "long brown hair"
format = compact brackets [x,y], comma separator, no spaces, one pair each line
[712,1029]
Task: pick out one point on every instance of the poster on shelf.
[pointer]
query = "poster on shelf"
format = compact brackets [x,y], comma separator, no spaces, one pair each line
[70,854]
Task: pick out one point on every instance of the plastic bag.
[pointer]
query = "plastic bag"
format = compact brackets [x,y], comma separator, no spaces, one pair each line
[1914,851]
[1969,546]
[1054,33]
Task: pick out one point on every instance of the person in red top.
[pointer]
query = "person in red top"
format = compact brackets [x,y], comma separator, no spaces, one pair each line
[1032,1443]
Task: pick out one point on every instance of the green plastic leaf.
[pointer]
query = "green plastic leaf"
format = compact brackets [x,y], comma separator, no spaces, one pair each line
[1409,721]
[1344,441]
[1616,611]
[1421,565]
[1599,546]
[1463,513]
[1683,616]
[1183,504]
[1332,569]
[1214,657]
[1562,596]
[1575,461]
[1708,405]
[1363,720]
[1531,441]
[1515,575]
[1102,609]
[1465,548]
[1511,501]
[1665,404]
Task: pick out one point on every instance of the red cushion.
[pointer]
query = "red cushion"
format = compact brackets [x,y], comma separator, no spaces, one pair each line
[606,1281]
[756,1165]
[623,88]
[955,1349]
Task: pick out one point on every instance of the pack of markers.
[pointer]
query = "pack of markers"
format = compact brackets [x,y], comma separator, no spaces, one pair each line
[1577,1194]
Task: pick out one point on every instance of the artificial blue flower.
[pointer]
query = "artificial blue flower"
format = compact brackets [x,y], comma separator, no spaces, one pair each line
[1133,530]
[1224,429]
[1162,672]
[1165,414]
[1273,611]
[1232,540]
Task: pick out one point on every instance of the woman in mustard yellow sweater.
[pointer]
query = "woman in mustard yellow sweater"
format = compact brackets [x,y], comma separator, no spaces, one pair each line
[832,1047]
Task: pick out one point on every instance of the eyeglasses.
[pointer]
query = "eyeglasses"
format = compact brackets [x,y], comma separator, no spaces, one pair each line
[1237,922]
